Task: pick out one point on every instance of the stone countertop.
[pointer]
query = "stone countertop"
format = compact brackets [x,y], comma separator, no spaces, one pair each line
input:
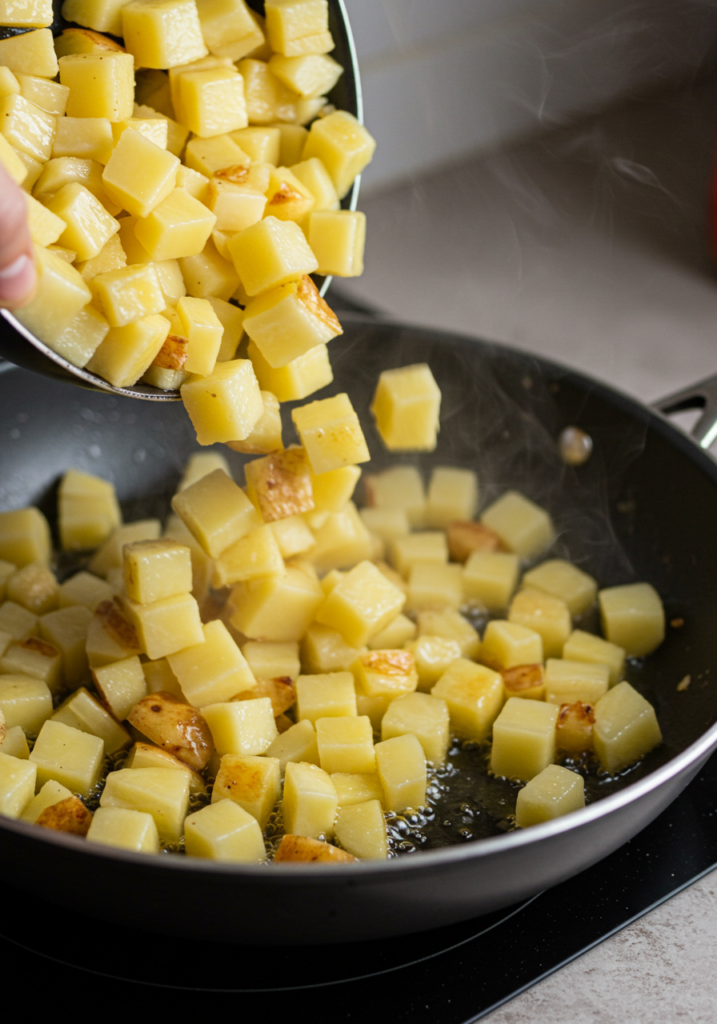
[588,246]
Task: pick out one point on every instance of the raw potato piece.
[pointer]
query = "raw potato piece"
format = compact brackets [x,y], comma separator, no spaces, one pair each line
[28,14]
[310,802]
[61,294]
[625,728]
[522,526]
[225,832]
[523,739]
[633,617]
[564,580]
[213,671]
[343,146]
[155,569]
[271,253]
[226,405]
[127,829]
[361,829]
[216,511]
[69,756]
[24,537]
[177,227]
[338,238]
[265,436]
[296,744]
[551,794]
[157,791]
[406,408]
[331,434]
[162,33]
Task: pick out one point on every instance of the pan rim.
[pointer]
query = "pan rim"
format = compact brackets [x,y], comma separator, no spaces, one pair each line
[429,859]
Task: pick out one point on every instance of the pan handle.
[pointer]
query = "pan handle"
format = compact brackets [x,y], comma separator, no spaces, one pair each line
[702,395]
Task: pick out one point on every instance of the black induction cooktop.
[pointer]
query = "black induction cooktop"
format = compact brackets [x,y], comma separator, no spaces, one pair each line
[450,975]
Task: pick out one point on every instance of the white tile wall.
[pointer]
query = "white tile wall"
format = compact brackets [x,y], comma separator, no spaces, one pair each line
[446,78]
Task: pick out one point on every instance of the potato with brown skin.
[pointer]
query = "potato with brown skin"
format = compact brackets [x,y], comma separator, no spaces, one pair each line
[280,692]
[175,727]
[117,627]
[466,537]
[68,815]
[173,353]
[281,484]
[303,850]
[147,755]
[574,728]
[283,722]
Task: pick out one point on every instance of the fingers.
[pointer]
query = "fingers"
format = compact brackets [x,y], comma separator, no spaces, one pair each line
[17,266]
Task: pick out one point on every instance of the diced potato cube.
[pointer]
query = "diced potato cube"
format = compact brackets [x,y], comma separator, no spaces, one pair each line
[163,794]
[330,695]
[450,624]
[79,341]
[226,405]
[425,547]
[399,487]
[298,379]
[82,711]
[27,127]
[110,637]
[213,671]
[120,685]
[297,27]
[433,585]
[242,727]
[526,681]
[224,831]
[15,743]
[279,608]
[236,207]
[45,226]
[155,569]
[216,511]
[69,756]
[423,715]
[67,630]
[474,695]
[331,434]
[633,618]
[229,28]
[48,96]
[490,578]
[269,660]
[159,676]
[252,557]
[401,767]
[139,175]
[574,729]
[338,238]
[88,138]
[287,197]
[522,526]
[310,75]
[17,622]
[146,755]
[345,744]
[343,145]
[17,784]
[110,555]
[24,701]
[298,743]
[361,605]
[398,632]
[88,510]
[177,227]
[125,828]
[569,681]
[293,536]
[333,490]
[69,815]
[310,802]
[31,53]
[50,794]
[507,644]
[581,646]
[386,673]
[28,14]
[209,274]
[341,540]
[101,15]
[361,829]
[325,650]
[10,84]
[261,143]
[433,655]
[625,729]
[34,587]
[464,538]
[287,321]
[100,84]
[153,128]
[162,33]
[32,657]
[267,99]
[452,495]
[523,739]
[128,351]
[406,408]
[544,614]
[564,580]
[207,156]
[356,788]
[88,226]
[12,162]
[271,253]
[551,794]
[61,294]
[252,782]
[280,484]
[167,626]
[211,101]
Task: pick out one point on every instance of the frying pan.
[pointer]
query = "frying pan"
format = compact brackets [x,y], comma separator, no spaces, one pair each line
[642,508]
[20,345]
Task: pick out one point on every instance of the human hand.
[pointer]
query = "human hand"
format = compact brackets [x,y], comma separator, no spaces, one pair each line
[18,279]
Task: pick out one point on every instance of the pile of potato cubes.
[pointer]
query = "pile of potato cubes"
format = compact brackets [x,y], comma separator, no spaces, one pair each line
[181,188]
[289,653]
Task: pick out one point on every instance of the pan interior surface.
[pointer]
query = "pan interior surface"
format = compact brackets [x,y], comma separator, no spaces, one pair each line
[641,508]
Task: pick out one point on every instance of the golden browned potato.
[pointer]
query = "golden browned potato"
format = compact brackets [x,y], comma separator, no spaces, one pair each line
[280,692]
[466,537]
[280,484]
[574,728]
[524,681]
[303,850]
[68,815]
[175,726]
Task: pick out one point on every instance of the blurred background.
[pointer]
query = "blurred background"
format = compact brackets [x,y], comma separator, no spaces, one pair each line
[542,177]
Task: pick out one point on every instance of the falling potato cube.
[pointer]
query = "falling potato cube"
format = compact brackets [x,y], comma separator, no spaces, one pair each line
[280,484]
[286,322]
[88,510]
[69,756]
[406,408]
[625,729]
[226,405]
[338,239]
[523,739]
[331,434]
[310,802]
[162,33]
[298,379]
[633,618]
[266,434]
[556,791]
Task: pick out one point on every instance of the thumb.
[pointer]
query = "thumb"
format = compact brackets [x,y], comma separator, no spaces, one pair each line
[18,278]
